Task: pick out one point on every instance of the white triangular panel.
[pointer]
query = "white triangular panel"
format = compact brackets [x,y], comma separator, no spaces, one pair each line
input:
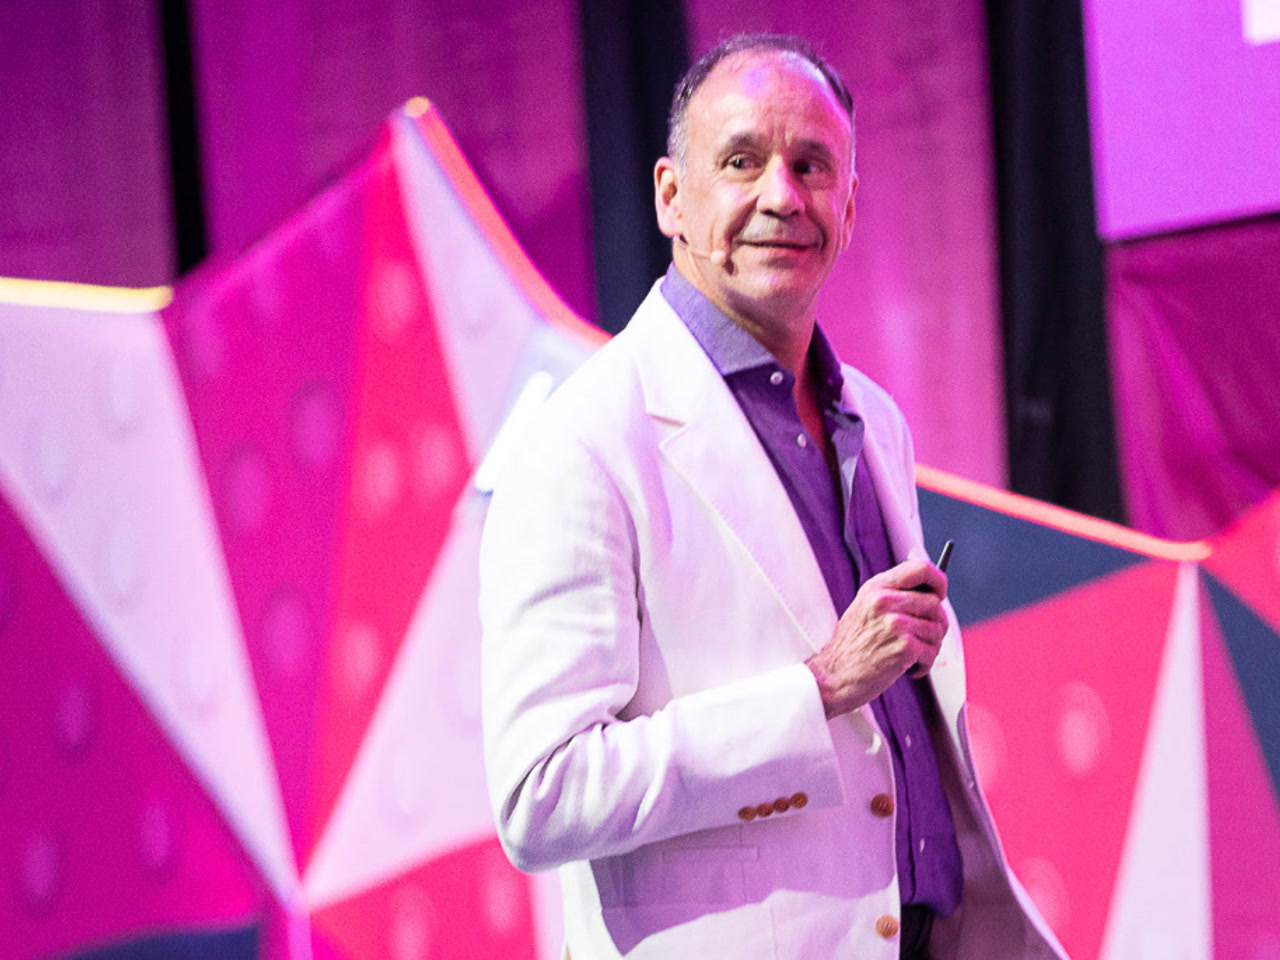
[1161,908]
[98,458]
[548,914]
[417,787]
[483,319]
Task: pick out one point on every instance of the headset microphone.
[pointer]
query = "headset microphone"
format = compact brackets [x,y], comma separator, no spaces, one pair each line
[718,258]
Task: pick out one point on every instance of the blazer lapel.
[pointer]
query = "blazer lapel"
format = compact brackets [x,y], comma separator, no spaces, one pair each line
[709,443]
[898,507]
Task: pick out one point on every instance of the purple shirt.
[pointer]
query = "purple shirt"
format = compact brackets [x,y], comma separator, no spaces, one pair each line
[842,521]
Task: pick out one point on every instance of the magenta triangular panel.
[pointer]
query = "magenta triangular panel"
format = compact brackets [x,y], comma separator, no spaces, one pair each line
[107,834]
[266,351]
[1244,811]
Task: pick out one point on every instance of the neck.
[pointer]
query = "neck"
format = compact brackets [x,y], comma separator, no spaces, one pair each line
[784,333]
[806,398]
[788,344]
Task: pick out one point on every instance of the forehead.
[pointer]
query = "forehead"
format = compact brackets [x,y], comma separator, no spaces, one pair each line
[765,87]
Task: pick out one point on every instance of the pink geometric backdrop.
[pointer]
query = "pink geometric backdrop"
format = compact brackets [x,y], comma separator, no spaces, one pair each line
[236,533]
[1123,718]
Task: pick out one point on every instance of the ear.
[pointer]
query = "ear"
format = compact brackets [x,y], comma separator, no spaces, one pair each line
[666,197]
[850,215]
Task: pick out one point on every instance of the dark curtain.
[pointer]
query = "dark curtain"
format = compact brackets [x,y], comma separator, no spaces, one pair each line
[634,51]
[1061,435]
[190,236]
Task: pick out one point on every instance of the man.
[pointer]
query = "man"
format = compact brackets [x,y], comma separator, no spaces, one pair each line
[722,686]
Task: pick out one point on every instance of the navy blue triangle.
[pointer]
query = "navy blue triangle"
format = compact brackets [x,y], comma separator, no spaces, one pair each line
[237,944]
[1255,654]
[1002,563]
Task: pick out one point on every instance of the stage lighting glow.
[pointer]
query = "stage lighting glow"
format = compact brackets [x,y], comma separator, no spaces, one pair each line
[84,296]
[1261,20]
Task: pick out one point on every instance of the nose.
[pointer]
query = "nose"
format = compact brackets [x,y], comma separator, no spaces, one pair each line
[779,190]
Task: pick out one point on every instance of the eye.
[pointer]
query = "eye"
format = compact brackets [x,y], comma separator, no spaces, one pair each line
[740,161]
[815,171]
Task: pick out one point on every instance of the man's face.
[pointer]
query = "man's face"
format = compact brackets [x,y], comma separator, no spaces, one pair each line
[765,202]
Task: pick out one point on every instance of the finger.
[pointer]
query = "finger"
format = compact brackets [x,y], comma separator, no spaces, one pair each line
[928,653]
[930,635]
[916,605]
[915,574]
[934,582]
[926,631]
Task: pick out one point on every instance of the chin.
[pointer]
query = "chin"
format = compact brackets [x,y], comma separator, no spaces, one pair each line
[783,285]
[777,300]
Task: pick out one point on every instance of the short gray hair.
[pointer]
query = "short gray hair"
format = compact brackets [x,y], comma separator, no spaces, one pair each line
[696,76]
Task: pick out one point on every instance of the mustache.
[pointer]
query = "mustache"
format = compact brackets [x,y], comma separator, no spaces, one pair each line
[795,237]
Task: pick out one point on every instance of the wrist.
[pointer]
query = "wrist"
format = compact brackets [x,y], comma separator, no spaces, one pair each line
[826,691]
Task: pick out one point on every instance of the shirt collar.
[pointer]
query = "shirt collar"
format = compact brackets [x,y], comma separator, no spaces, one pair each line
[733,350]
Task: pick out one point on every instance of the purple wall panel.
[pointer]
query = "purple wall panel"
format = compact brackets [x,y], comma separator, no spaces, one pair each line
[84,178]
[1183,112]
[1195,343]
[291,93]
[914,302]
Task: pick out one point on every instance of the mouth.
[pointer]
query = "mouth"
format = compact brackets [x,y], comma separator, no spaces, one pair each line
[780,247]
[778,244]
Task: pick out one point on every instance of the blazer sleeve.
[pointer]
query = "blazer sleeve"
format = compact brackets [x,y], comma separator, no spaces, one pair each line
[573,774]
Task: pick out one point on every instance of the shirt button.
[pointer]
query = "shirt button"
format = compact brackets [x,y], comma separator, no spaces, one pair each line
[882,805]
[782,805]
[887,926]
[776,377]
[802,440]
[747,813]
[764,810]
[798,800]
[922,844]
[908,739]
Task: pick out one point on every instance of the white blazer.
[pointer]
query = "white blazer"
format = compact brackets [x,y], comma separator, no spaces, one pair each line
[648,597]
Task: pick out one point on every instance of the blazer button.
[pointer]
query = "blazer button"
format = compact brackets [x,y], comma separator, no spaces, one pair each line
[882,805]
[747,813]
[782,805]
[798,800]
[764,810]
[887,926]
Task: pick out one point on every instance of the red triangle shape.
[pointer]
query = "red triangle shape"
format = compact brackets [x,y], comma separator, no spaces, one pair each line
[1060,697]
[470,904]
[408,464]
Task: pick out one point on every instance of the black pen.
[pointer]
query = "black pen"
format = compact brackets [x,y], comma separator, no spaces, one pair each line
[943,559]
[945,556]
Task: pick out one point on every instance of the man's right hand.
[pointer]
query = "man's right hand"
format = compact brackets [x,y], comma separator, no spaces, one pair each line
[894,625]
